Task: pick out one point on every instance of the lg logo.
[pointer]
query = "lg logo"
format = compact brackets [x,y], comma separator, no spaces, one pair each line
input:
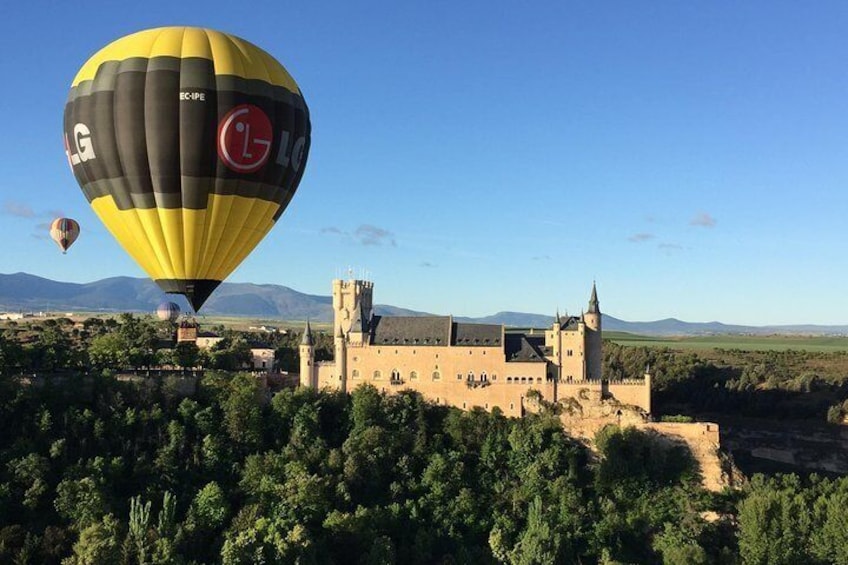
[83,146]
[245,136]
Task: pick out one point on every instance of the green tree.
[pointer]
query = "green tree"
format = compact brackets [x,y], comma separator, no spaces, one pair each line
[80,501]
[98,544]
[243,415]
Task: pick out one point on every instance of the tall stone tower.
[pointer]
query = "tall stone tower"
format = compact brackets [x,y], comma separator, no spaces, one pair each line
[307,359]
[351,299]
[340,355]
[594,350]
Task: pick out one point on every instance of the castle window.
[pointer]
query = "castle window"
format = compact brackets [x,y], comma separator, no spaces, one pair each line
[494,377]
[509,379]
[436,376]
[377,375]
[459,376]
[484,377]
[511,406]
[354,374]
[463,405]
[470,377]
[569,353]
[487,406]
[538,379]
[355,359]
[395,375]
[413,376]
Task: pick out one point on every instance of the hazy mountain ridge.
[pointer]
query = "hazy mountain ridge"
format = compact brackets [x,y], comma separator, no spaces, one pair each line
[22,291]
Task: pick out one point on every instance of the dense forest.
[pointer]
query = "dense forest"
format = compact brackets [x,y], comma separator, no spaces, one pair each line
[790,384]
[94,469]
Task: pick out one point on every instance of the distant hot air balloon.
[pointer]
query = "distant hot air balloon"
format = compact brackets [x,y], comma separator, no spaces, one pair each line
[189,144]
[64,231]
[168,311]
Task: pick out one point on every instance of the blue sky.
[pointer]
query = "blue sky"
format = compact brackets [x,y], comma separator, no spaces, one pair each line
[472,157]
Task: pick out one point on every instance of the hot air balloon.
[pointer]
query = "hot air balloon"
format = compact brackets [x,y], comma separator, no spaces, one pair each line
[64,231]
[168,311]
[189,144]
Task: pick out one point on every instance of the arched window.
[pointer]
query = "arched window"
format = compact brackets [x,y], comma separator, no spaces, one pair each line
[354,374]
[470,377]
[377,375]
[413,376]
[509,379]
[395,375]
[436,376]
[483,376]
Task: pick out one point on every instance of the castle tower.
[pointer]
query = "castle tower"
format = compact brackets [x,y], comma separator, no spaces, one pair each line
[307,359]
[646,403]
[594,351]
[341,358]
[350,298]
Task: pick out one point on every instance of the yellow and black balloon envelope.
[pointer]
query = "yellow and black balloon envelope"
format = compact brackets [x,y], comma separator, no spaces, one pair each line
[189,144]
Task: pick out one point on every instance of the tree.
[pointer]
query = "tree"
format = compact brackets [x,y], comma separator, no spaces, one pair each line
[774,525]
[243,411]
[80,501]
[98,544]
[186,354]
[109,351]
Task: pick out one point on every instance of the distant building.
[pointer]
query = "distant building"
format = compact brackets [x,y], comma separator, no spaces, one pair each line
[14,315]
[207,340]
[462,364]
[187,331]
[262,358]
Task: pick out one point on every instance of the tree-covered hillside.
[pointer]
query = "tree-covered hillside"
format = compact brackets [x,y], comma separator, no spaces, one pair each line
[94,469]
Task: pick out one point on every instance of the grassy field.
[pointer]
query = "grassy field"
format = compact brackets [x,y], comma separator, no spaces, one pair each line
[825,344]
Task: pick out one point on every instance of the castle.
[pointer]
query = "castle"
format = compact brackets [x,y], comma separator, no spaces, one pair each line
[463,364]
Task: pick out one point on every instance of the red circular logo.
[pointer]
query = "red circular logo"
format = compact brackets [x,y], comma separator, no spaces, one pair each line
[244,138]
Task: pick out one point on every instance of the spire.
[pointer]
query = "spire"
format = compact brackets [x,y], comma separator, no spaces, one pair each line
[558,319]
[307,335]
[593,301]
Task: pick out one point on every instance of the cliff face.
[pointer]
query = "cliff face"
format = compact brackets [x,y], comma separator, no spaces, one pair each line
[769,446]
[583,417]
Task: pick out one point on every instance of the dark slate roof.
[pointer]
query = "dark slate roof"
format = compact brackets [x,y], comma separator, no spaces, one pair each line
[569,324]
[306,339]
[480,335]
[522,348]
[410,330]
[593,301]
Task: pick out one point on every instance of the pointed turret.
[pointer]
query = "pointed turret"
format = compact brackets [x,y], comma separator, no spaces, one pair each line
[594,307]
[594,343]
[307,335]
[307,358]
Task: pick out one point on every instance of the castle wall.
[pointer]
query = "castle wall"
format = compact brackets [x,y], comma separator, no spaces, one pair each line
[636,392]
[456,376]
[326,376]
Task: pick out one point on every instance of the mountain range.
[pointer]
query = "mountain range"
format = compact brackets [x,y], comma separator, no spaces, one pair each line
[26,292]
